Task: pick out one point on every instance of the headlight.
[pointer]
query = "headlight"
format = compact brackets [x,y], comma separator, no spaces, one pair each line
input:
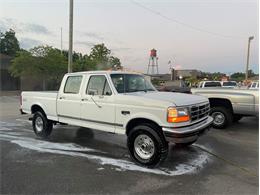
[176,115]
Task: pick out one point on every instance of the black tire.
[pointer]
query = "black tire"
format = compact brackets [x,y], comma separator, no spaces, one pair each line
[226,117]
[182,145]
[237,118]
[47,125]
[151,134]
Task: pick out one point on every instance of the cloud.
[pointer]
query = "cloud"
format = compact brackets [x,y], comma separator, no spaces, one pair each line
[35,28]
[121,49]
[93,35]
[21,27]
[85,43]
[28,43]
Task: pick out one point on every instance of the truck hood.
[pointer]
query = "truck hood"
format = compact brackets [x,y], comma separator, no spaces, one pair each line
[179,99]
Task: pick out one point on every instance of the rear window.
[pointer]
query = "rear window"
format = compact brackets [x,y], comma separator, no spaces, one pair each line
[212,84]
[229,84]
[73,84]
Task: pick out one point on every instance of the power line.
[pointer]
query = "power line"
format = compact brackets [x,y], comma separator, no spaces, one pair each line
[182,23]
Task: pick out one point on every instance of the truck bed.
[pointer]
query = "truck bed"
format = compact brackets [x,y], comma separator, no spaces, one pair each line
[45,99]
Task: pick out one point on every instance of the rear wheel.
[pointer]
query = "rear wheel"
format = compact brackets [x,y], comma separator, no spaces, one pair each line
[222,117]
[41,125]
[147,146]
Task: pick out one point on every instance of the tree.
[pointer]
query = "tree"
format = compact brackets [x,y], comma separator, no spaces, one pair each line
[99,56]
[83,64]
[115,63]
[42,62]
[99,53]
[9,44]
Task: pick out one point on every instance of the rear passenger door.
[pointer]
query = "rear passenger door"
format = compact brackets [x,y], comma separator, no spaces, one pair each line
[69,99]
[98,107]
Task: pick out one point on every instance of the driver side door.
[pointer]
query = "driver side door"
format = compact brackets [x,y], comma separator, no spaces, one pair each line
[97,105]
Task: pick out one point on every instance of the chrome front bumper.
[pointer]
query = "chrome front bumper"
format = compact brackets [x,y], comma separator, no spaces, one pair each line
[188,133]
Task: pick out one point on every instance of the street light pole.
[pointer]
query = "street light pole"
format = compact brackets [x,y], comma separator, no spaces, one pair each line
[70,36]
[248,54]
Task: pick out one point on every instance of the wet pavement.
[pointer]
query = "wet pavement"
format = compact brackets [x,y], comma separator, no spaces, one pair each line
[80,160]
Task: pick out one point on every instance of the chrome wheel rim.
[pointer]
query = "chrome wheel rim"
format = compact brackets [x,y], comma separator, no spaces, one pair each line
[144,146]
[219,118]
[39,124]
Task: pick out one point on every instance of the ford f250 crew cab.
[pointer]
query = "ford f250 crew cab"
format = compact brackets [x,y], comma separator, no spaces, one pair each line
[123,103]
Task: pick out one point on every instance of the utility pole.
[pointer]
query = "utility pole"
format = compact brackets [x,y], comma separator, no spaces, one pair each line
[61,41]
[248,54]
[70,36]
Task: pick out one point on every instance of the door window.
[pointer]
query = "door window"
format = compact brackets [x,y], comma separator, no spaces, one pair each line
[98,85]
[73,84]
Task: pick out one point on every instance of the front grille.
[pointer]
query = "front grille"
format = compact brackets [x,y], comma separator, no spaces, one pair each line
[199,111]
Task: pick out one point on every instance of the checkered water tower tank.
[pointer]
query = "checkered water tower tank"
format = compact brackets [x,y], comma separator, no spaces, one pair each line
[153,53]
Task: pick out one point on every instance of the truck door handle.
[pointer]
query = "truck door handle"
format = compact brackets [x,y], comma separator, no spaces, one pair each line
[62,97]
[84,99]
[124,112]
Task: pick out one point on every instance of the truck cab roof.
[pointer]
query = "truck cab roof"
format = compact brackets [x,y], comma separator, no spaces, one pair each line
[102,72]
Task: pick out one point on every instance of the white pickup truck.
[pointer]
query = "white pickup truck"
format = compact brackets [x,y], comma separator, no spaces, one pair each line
[123,103]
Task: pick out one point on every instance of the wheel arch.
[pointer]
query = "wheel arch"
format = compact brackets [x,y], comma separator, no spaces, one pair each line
[138,121]
[36,108]
[221,102]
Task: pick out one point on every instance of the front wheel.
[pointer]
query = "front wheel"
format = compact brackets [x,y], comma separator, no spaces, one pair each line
[41,125]
[147,146]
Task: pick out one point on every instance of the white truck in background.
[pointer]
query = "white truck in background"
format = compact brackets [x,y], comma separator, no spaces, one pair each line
[123,103]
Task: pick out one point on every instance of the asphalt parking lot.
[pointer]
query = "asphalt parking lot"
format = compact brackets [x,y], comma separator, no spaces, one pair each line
[78,160]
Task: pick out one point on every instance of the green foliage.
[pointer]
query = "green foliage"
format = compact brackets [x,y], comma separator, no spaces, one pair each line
[238,76]
[43,62]
[100,53]
[49,64]
[9,44]
[114,62]
[216,76]
[101,59]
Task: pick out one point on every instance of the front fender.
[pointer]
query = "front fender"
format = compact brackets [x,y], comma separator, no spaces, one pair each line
[145,115]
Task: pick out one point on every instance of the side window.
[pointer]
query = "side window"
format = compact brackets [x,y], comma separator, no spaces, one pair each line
[73,84]
[107,90]
[97,85]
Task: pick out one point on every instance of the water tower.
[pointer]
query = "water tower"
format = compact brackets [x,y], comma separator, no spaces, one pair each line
[153,63]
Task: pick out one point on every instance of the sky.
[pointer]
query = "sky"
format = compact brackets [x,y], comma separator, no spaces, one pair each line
[208,35]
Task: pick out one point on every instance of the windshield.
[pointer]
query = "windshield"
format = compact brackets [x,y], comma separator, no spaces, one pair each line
[127,83]
[229,84]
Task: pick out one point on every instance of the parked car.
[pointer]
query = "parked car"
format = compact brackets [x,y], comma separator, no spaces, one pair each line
[229,84]
[230,105]
[204,84]
[123,103]
[254,85]
[178,86]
